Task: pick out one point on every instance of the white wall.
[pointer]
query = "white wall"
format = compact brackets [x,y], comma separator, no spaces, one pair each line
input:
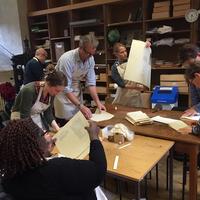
[11,35]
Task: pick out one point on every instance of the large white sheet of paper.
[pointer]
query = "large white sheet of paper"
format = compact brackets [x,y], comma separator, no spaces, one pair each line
[103,115]
[139,66]
[72,140]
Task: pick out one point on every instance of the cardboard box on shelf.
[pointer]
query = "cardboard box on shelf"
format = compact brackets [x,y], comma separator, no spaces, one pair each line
[160,15]
[103,77]
[174,83]
[102,90]
[179,13]
[161,3]
[181,7]
[161,9]
[178,2]
[172,77]
[183,89]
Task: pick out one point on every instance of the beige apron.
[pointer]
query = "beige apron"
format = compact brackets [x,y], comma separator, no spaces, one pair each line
[65,109]
[37,109]
[125,96]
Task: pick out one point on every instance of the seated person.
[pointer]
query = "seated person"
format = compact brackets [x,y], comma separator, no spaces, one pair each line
[128,93]
[189,54]
[192,75]
[27,175]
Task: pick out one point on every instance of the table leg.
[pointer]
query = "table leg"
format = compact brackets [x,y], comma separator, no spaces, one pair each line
[171,173]
[137,191]
[193,154]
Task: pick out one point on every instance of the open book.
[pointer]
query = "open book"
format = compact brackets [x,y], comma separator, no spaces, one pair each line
[72,140]
[173,123]
[138,118]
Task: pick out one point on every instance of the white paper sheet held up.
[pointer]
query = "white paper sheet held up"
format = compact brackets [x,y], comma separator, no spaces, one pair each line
[97,117]
[72,140]
[193,118]
[138,67]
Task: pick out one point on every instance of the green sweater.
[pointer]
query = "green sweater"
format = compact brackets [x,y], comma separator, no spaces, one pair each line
[26,99]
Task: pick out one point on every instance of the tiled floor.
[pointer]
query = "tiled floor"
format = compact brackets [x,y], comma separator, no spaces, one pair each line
[162,194]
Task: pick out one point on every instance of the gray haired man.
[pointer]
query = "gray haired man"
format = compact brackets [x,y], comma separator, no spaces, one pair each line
[77,65]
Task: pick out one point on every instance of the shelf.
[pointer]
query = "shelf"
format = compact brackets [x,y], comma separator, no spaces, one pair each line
[72,7]
[39,23]
[124,23]
[40,31]
[88,25]
[164,68]
[43,38]
[169,33]
[61,38]
[165,19]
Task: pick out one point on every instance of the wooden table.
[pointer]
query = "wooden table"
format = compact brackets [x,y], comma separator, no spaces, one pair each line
[137,159]
[188,144]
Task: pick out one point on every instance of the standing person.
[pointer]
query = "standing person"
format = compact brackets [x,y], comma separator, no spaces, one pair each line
[35,100]
[34,68]
[77,65]
[128,93]
[27,175]
[188,55]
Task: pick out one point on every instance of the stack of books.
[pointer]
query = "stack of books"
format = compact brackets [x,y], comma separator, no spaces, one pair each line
[161,9]
[138,118]
[180,7]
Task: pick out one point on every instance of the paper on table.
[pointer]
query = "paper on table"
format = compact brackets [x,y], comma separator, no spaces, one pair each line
[173,123]
[97,117]
[138,67]
[163,120]
[72,140]
[194,117]
[178,125]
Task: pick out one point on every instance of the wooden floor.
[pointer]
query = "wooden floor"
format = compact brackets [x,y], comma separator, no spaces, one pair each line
[162,194]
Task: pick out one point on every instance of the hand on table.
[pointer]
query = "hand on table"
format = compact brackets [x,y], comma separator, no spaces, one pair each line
[189,112]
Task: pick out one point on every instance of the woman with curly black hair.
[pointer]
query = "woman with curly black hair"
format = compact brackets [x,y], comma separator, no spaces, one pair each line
[27,175]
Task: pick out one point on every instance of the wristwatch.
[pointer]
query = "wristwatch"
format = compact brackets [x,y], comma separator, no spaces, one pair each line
[79,105]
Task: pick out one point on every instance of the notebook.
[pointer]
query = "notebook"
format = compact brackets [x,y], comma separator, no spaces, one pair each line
[138,118]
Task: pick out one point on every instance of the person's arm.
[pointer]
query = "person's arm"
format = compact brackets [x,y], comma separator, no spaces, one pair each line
[116,76]
[84,109]
[27,97]
[93,93]
[83,176]
[49,117]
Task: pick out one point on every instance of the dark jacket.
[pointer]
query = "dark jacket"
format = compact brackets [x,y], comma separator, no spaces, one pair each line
[33,71]
[61,178]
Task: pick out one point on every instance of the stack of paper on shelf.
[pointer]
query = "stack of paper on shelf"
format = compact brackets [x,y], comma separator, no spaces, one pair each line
[173,123]
[138,118]
[161,9]
[174,80]
[72,140]
[180,7]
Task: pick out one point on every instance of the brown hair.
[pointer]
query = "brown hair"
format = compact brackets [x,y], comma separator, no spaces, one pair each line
[116,47]
[187,52]
[191,70]
[56,78]
[19,148]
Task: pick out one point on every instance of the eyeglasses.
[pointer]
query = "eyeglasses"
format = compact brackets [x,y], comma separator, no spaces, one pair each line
[89,53]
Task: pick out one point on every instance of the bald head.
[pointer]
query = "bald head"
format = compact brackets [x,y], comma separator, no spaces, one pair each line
[41,54]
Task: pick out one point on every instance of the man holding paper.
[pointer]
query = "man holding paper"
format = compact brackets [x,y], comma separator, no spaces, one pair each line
[128,91]
[78,65]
